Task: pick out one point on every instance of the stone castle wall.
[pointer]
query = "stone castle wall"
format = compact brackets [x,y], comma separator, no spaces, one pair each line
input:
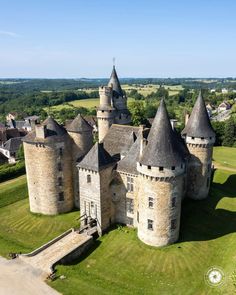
[165,216]
[105,120]
[95,196]
[199,171]
[82,143]
[47,193]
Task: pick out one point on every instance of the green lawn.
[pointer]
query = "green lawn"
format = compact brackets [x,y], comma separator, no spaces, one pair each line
[121,264]
[21,230]
[225,156]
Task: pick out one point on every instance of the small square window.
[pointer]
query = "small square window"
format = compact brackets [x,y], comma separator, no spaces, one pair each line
[59,181]
[193,137]
[161,168]
[149,167]
[173,224]
[61,152]
[202,138]
[61,196]
[173,168]
[150,202]
[59,166]
[88,178]
[150,224]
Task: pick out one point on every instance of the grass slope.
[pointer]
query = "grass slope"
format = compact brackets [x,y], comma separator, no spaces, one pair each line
[225,156]
[21,230]
[121,264]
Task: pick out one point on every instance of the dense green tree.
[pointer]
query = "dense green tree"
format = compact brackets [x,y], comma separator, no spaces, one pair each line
[230,133]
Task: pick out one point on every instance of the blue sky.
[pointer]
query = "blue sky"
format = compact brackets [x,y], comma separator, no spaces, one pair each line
[152,38]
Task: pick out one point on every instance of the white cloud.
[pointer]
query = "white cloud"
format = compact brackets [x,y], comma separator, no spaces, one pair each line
[10,34]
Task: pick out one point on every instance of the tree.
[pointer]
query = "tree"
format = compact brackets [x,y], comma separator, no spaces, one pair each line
[138,113]
[230,133]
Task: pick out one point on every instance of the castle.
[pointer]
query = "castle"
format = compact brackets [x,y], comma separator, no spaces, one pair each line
[134,175]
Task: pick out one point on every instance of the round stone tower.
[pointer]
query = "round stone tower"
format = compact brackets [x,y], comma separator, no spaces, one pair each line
[119,100]
[81,133]
[105,112]
[161,170]
[48,166]
[199,137]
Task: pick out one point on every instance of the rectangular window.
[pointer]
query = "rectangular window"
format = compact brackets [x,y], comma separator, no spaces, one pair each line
[173,224]
[88,178]
[173,202]
[130,184]
[150,202]
[137,216]
[130,221]
[161,168]
[61,152]
[61,196]
[149,167]
[130,205]
[59,166]
[150,224]
[59,181]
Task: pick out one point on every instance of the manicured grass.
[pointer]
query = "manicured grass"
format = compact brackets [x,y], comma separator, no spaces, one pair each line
[86,103]
[120,264]
[21,230]
[225,156]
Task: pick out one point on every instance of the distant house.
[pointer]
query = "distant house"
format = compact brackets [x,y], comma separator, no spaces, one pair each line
[224,106]
[209,109]
[27,124]
[224,91]
[10,148]
[11,116]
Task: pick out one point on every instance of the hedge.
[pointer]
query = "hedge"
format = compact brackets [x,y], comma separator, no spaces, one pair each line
[8,171]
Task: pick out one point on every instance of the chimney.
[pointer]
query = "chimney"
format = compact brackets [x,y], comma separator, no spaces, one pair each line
[40,131]
[173,123]
[186,118]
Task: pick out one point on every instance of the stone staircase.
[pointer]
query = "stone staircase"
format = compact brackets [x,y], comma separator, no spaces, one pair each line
[62,249]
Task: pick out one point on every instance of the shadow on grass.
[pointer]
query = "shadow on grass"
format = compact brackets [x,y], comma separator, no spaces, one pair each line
[202,221]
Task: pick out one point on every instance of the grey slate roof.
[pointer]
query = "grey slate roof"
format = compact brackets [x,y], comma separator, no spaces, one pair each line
[162,149]
[199,124]
[117,137]
[127,145]
[54,132]
[79,124]
[129,163]
[13,144]
[114,81]
[96,159]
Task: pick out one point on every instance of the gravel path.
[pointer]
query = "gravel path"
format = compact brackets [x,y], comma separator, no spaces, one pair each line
[19,278]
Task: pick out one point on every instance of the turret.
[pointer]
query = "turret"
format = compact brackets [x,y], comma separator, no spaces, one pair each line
[95,174]
[199,137]
[48,167]
[81,133]
[105,112]
[161,168]
[119,100]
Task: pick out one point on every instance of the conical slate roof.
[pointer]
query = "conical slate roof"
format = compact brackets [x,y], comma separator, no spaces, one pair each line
[79,124]
[115,83]
[53,128]
[162,149]
[199,124]
[97,158]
